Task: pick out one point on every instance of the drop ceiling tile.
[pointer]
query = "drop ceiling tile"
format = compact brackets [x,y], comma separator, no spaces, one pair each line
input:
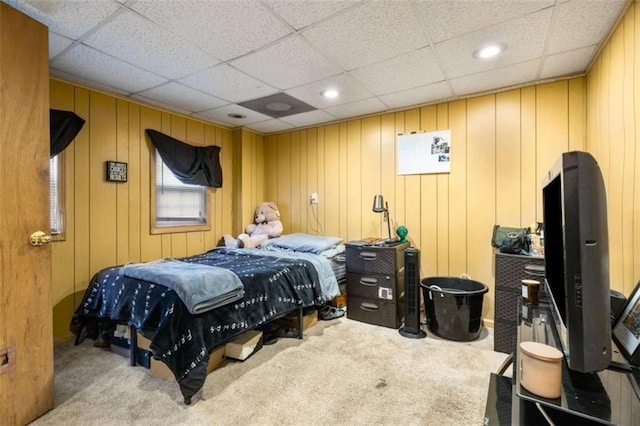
[215,121]
[222,114]
[226,82]
[270,126]
[308,118]
[82,81]
[496,79]
[161,105]
[301,13]
[461,17]
[69,18]
[413,69]
[361,35]
[219,123]
[350,90]
[358,108]
[457,54]
[92,65]
[182,97]
[226,29]
[418,95]
[224,123]
[582,23]
[376,34]
[567,63]
[57,43]
[139,41]
[288,63]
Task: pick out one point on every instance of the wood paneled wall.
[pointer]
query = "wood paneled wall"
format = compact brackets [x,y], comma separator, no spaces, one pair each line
[502,144]
[613,137]
[249,169]
[107,223]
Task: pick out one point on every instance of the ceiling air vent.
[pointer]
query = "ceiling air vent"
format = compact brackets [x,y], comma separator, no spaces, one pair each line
[277,105]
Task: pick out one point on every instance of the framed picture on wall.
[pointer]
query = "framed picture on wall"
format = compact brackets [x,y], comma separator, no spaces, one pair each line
[116,171]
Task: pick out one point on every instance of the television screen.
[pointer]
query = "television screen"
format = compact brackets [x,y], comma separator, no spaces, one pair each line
[554,250]
[576,253]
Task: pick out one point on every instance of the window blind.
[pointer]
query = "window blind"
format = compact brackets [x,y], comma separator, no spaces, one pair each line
[54,196]
[177,203]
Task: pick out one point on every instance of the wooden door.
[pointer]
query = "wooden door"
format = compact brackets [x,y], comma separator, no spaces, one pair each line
[26,324]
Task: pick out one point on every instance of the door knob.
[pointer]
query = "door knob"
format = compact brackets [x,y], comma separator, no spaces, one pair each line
[39,238]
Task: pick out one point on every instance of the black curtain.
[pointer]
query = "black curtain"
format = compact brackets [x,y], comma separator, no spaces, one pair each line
[196,165]
[63,127]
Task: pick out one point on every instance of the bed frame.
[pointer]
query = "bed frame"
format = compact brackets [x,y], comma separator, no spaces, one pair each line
[131,301]
[134,335]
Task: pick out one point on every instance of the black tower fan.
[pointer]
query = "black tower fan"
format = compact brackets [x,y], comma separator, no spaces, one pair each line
[412,295]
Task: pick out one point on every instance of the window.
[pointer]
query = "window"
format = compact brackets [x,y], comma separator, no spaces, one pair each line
[177,204]
[56,197]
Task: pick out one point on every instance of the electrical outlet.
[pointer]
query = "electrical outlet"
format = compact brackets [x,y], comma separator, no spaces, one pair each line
[313,198]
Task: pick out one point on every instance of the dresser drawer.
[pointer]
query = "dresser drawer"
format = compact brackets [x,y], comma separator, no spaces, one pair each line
[376,312]
[374,260]
[372,286]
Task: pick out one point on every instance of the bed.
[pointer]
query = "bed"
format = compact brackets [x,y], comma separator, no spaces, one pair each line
[276,280]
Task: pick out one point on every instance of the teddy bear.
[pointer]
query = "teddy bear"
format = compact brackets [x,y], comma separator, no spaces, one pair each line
[266,225]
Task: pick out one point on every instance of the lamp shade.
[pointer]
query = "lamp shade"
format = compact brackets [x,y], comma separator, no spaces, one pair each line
[378,204]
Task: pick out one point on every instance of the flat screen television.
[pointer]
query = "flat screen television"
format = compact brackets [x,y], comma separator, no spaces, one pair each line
[576,259]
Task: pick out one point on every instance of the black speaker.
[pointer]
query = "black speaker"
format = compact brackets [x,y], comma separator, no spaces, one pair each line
[412,295]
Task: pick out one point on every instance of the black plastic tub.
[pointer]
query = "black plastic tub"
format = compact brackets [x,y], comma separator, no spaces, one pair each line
[454,307]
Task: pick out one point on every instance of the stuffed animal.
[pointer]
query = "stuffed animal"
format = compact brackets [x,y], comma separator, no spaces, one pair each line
[266,225]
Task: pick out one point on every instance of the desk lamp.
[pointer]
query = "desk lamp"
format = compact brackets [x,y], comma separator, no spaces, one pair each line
[380,206]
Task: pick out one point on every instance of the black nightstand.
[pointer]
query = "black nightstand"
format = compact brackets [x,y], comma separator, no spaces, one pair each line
[375,282]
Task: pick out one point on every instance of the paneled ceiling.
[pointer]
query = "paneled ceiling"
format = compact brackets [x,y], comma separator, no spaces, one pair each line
[203,58]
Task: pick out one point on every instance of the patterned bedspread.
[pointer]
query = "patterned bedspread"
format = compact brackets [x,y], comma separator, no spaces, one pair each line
[273,287]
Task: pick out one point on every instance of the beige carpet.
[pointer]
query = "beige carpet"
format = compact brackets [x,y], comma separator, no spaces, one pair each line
[342,372]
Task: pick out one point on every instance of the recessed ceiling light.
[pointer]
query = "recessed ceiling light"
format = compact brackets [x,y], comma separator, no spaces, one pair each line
[330,93]
[489,51]
[236,115]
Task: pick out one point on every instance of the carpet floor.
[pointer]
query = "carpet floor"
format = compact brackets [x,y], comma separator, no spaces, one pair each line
[342,372]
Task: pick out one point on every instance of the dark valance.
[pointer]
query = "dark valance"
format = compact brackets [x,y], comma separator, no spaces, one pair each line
[63,127]
[195,165]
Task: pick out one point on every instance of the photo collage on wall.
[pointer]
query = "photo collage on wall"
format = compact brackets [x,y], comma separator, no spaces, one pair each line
[440,147]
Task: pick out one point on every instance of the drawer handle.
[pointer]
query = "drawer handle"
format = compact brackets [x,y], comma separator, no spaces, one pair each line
[366,306]
[368,255]
[369,281]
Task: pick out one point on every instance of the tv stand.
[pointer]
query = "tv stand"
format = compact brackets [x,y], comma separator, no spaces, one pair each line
[611,396]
